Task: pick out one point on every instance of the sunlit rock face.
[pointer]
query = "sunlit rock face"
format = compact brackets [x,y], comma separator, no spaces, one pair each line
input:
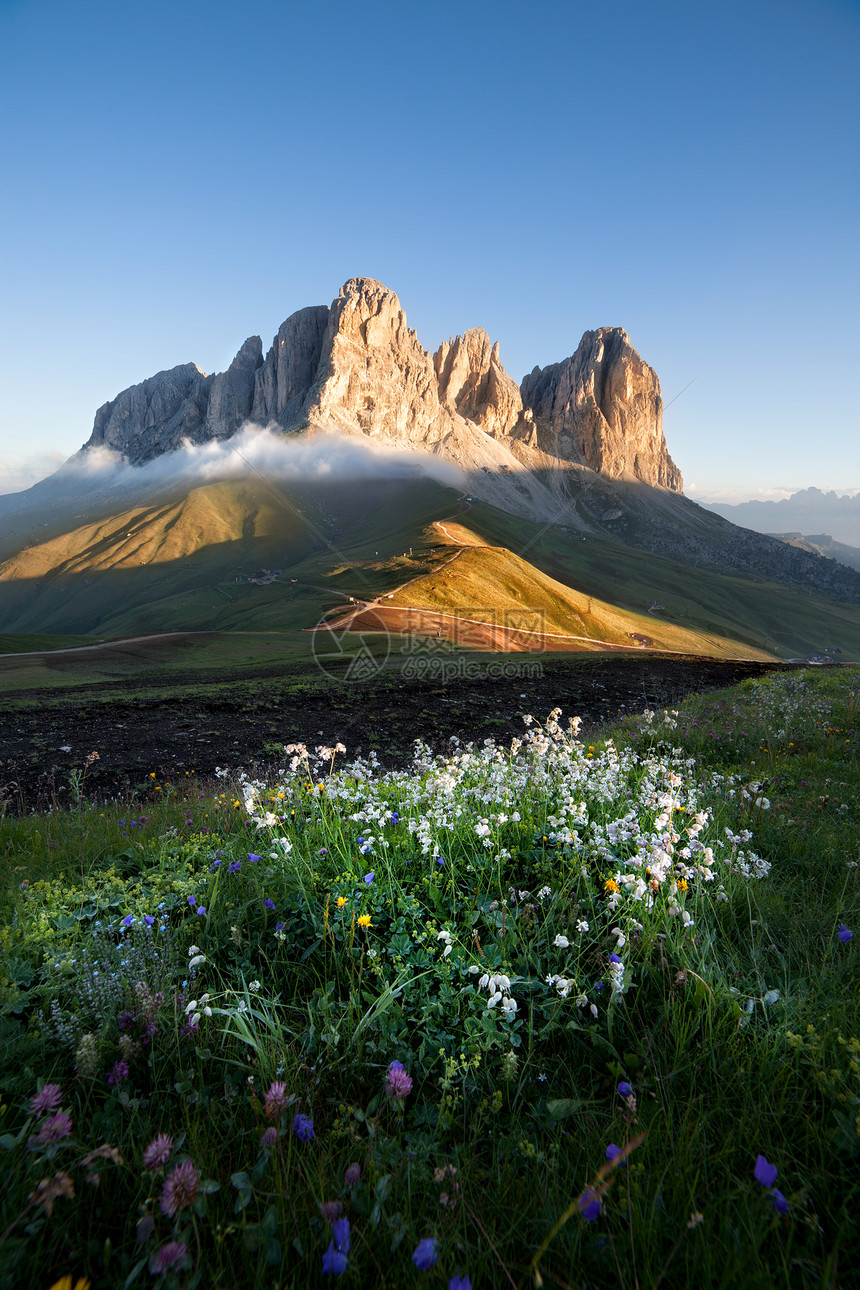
[603,407]
[357,367]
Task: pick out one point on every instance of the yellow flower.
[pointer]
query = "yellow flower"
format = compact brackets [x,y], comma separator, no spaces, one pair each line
[683,884]
[65,1283]
[364,921]
[610,885]
[341,901]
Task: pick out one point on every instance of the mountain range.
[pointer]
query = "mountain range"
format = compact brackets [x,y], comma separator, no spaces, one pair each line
[188,479]
[808,511]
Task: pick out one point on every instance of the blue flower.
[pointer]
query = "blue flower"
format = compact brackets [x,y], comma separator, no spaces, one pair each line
[589,1205]
[270,904]
[425,1254]
[342,1238]
[844,933]
[369,877]
[303,1127]
[201,911]
[252,857]
[334,1262]
[440,860]
[613,958]
[214,866]
[148,919]
[625,1089]
[779,1201]
[127,921]
[459,1283]
[279,927]
[765,1172]
[613,1151]
[234,867]
[394,817]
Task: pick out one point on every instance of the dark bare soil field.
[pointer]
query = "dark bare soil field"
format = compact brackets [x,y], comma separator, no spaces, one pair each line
[192,726]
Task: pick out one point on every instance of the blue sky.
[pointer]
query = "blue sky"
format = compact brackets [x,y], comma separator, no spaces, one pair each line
[182,175]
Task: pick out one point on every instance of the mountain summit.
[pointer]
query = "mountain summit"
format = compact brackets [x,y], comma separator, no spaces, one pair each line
[358,368]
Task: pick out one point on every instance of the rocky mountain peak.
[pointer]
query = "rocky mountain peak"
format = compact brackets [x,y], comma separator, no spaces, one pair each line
[356,366]
[603,407]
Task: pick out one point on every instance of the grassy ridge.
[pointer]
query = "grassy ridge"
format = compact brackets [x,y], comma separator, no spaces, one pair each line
[726,1026]
[333,541]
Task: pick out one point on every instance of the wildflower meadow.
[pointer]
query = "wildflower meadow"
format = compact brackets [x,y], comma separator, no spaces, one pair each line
[579,1011]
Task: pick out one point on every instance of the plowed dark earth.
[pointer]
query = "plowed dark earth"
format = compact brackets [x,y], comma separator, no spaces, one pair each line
[240,722]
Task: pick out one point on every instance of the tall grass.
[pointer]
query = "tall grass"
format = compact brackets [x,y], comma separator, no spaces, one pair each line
[548,1014]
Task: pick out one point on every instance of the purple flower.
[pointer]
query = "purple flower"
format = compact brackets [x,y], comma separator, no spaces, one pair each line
[369,877]
[47,1099]
[276,1100]
[398,1083]
[170,1256]
[394,817]
[234,867]
[191,901]
[334,1262]
[340,1232]
[780,1203]
[148,919]
[117,1073]
[303,1127]
[590,1205]
[459,1283]
[352,1177]
[127,921]
[216,865]
[765,1173]
[625,1089]
[201,911]
[613,1151]
[158,1152]
[252,857]
[179,1189]
[269,1138]
[844,933]
[331,1211]
[54,1129]
[613,958]
[425,1254]
[279,927]
[269,904]
[440,860]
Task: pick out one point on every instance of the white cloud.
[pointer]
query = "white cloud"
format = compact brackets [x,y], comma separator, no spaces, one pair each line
[257,450]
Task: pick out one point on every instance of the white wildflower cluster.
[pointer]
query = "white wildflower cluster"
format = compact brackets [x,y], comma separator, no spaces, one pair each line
[197,1008]
[497,986]
[446,937]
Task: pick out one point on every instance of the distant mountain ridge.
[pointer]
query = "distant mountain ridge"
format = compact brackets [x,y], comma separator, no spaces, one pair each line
[579,444]
[357,367]
[809,511]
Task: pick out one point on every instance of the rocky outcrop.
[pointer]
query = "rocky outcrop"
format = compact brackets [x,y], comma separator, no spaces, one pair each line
[375,377]
[473,383]
[284,380]
[602,407]
[357,367]
[155,416]
[231,399]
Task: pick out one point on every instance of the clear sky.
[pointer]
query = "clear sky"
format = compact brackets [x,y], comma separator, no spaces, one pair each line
[180,175]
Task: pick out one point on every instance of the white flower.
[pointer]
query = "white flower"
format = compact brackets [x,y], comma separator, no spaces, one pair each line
[253,986]
[561,942]
[197,960]
[593,1010]
[194,949]
[447,950]
[509,1006]
[771,997]
[473,968]
[494,999]
[582,925]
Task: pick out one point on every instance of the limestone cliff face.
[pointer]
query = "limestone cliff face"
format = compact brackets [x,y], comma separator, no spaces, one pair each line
[155,416]
[603,407]
[359,368]
[375,377]
[282,382]
[473,383]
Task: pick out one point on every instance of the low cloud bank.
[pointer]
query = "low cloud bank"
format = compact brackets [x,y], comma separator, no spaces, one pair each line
[319,456]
